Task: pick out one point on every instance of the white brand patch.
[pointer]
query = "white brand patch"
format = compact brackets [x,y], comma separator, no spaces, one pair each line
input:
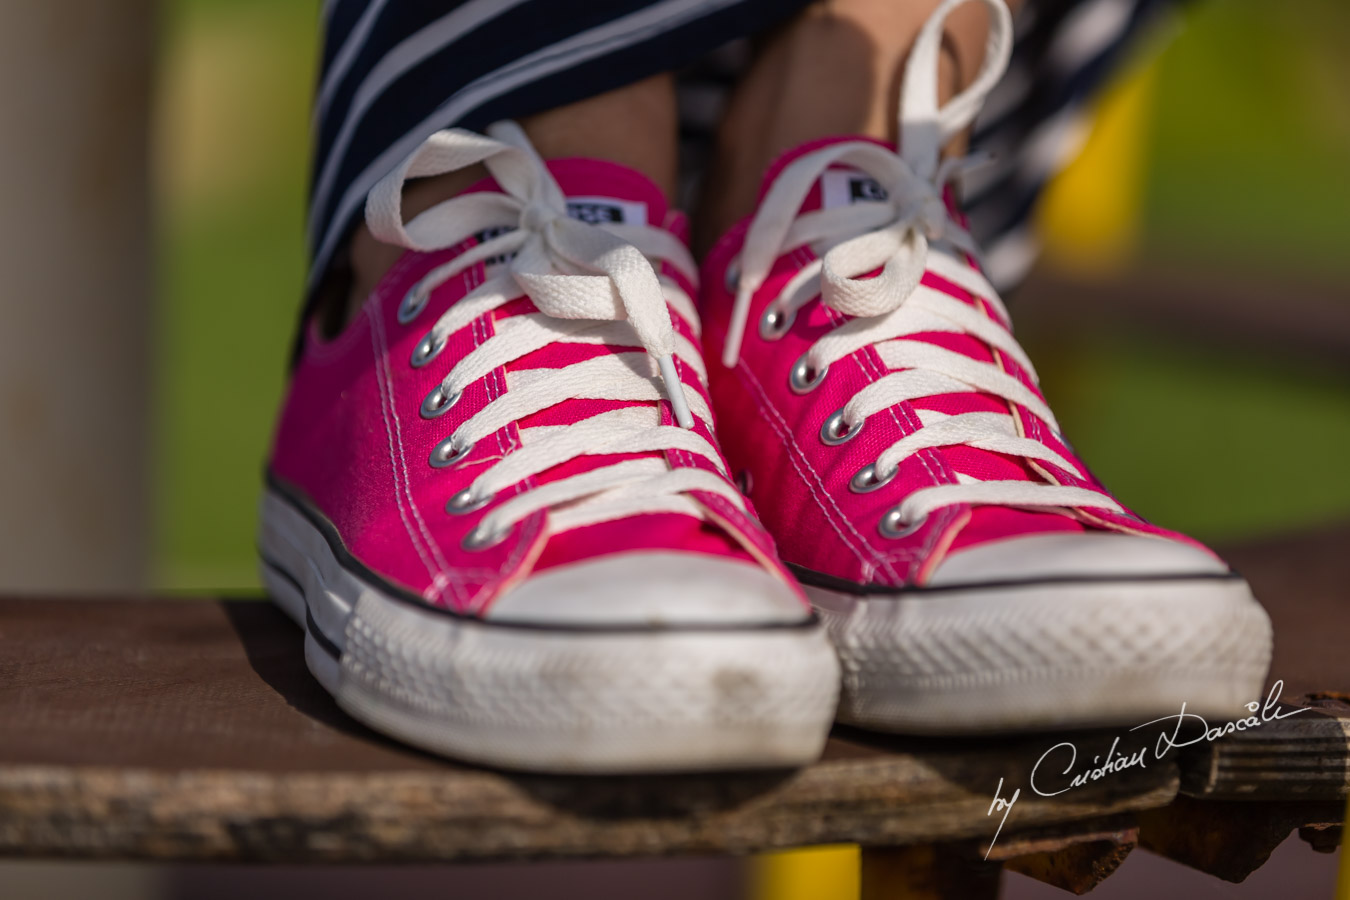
[607,211]
[591,210]
[842,187]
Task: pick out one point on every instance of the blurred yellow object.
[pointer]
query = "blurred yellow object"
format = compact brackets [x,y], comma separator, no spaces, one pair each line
[816,873]
[1343,892]
[1089,216]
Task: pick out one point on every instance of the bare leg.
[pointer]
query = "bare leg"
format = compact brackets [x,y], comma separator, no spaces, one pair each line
[634,126]
[834,70]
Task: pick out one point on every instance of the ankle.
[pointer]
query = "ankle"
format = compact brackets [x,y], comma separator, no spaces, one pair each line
[836,69]
[369,260]
[635,126]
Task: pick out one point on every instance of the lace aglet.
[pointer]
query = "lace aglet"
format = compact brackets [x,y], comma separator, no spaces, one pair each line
[740,311]
[675,391]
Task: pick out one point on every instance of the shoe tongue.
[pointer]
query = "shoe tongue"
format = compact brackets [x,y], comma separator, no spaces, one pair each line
[601,193]
[839,185]
[605,193]
[598,193]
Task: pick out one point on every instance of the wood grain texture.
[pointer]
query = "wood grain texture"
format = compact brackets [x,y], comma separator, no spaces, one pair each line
[1074,859]
[1304,757]
[191,730]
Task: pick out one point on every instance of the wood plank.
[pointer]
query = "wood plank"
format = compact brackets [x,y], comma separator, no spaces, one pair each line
[1074,860]
[191,730]
[1079,867]
[1304,757]
[927,872]
[1250,790]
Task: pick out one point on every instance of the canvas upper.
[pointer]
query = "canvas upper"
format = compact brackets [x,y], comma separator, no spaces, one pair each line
[458,442]
[868,384]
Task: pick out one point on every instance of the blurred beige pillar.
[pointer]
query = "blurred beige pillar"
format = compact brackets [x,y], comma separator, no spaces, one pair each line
[75,292]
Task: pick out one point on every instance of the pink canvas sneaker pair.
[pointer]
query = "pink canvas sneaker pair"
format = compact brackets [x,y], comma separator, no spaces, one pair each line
[498,507]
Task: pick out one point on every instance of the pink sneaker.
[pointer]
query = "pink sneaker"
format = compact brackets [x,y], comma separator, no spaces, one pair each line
[973,574]
[482,510]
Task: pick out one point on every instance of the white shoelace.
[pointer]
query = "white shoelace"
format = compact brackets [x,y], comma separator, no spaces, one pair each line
[904,235]
[592,285]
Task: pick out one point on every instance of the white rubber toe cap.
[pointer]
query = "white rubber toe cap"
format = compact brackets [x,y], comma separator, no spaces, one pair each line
[652,589]
[1074,555]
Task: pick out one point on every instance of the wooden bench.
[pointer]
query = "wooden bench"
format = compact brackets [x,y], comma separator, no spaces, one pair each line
[189,729]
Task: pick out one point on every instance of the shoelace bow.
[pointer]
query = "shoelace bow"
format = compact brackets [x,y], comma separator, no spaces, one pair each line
[903,236]
[591,285]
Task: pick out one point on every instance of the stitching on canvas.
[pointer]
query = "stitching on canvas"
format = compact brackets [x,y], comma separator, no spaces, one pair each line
[780,427]
[512,560]
[507,441]
[733,516]
[870,364]
[445,570]
[393,465]
[801,257]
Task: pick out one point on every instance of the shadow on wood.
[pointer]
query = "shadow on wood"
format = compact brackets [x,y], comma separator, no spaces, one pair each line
[192,730]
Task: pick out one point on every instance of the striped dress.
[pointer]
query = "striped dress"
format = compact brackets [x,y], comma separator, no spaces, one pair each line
[394,71]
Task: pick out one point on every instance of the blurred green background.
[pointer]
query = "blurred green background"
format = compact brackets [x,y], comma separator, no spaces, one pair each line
[1243,148]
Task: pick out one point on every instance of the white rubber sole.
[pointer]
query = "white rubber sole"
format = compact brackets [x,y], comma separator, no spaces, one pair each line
[549,699]
[1043,656]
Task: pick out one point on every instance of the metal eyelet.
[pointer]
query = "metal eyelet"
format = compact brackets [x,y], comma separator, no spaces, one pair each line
[480,539]
[831,434]
[803,379]
[865,480]
[412,304]
[427,349]
[732,277]
[466,502]
[745,482]
[437,402]
[893,527]
[447,453]
[775,323]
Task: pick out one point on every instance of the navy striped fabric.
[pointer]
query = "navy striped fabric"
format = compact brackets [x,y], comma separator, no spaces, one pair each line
[1038,116]
[394,71]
